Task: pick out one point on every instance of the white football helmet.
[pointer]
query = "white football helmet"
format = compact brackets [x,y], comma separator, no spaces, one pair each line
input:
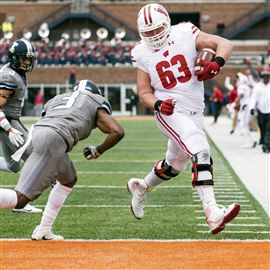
[152,17]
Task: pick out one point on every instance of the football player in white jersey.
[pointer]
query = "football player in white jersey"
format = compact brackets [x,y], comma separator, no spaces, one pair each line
[244,89]
[167,83]
[13,88]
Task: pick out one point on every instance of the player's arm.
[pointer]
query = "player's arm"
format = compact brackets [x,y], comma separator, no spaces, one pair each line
[4,96]
[222,46]
[145,91]
[147,97]
[15,136]
[108,125]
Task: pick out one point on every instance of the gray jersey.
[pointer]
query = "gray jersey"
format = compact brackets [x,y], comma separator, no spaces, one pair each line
[17,83]
[73,115]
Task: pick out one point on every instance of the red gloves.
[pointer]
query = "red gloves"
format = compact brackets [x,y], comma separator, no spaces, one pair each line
[209,70]
[166,107]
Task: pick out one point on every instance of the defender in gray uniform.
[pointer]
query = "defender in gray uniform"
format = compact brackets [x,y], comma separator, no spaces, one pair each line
[67,119]
[13,88]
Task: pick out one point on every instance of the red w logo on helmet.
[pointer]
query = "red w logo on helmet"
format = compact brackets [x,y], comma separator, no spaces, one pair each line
[162,10]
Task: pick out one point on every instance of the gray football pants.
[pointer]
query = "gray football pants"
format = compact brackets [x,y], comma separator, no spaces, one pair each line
[9,149]
[47,162]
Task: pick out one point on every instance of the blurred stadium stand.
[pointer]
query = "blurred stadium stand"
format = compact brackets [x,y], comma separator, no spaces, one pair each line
[97,36]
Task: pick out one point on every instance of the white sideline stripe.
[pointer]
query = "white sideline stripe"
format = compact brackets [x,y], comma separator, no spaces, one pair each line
[152,240]
[236,218]
[236,225]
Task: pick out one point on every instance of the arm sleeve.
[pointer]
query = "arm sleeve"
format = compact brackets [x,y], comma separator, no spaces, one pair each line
[8,82]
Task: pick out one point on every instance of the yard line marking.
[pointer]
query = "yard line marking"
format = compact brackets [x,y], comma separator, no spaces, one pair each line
[235,225]
[113,172]
[226,188]
[240,232]
[222,196]
[219,200]
[225,192]
[124,206]
[124,149]
[245,218]
[118,161]
[124,187]
[127,206]
[242,211]
[226,182]
[224,176]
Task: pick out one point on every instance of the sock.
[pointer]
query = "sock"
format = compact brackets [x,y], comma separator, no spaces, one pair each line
[55,202]
[152,180]
[207,196]
[3,165]
[8,198]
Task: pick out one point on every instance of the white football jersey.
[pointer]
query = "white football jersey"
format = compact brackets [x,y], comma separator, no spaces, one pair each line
[171,68]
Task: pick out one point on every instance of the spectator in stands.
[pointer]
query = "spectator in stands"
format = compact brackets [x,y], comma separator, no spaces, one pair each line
[6,27]
[260,102]
[72,76]
[220,28]
[218,99]
[133,103]
[63,52]
[38,103]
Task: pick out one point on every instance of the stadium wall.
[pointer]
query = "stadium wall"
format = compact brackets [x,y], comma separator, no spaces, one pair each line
[108,75]
[27,13]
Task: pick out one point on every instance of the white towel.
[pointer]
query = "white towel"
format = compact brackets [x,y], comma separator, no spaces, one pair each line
[18,154]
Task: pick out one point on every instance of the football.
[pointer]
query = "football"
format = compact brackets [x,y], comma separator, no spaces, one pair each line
[204,54]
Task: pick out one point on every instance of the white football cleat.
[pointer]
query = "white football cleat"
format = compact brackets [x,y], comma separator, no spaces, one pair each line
[138,190]
[28,209]
[218,216]
[39,234]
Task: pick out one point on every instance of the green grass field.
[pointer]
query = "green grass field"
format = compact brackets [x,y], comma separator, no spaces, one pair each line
[98,207]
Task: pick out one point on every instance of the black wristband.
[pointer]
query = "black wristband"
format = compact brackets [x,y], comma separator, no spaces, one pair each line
[220,60]
[157,105]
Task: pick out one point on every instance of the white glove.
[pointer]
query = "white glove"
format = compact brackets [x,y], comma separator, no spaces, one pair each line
[15,137]
[90,152]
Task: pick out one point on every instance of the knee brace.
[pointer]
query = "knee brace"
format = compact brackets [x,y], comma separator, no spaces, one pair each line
[164,171]
[198,168]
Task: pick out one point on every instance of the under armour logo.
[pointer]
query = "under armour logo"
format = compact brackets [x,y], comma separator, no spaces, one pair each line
[214,72]
[166,53]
